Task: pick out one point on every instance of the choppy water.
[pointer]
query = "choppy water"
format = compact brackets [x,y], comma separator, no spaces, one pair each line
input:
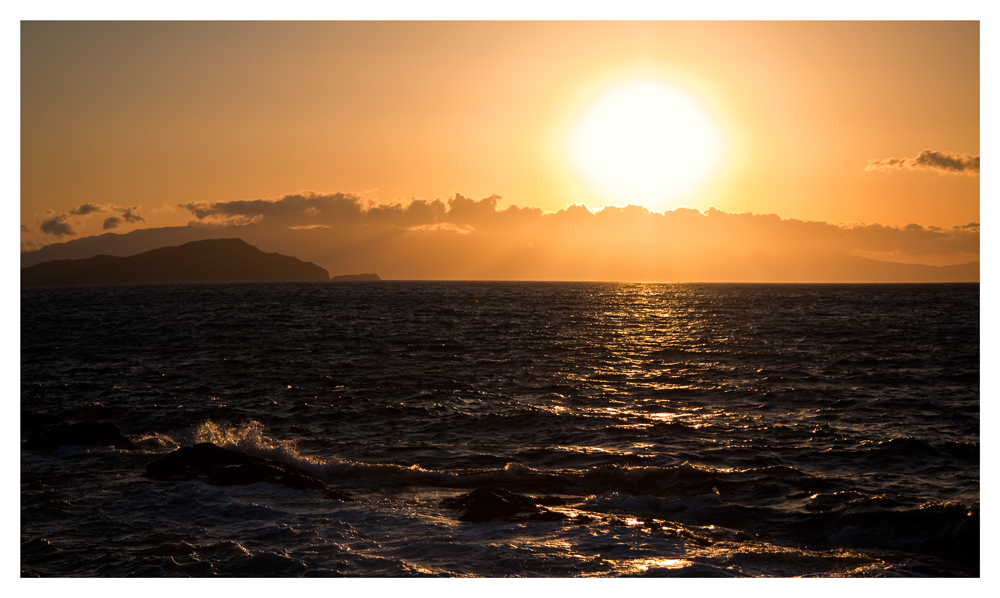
[706,430]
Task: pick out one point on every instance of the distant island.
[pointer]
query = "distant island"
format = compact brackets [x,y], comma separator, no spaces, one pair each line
[211,260]
[344,277]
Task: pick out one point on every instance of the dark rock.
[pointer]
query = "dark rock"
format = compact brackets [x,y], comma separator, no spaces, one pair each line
[550,501]
[99,411]
[547,515]
[90,433]
[239,475]
[223,467]
[31,420]
[175,549]
[485,504]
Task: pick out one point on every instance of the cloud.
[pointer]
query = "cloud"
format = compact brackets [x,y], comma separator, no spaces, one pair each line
[683,231]
[305,209]
[349,209]
[462,238]
[57,225]
[128,215]
[930,160]
[448,226]
[86,208]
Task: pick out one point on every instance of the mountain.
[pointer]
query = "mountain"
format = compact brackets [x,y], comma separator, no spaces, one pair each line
[350,277]
[212,260]
[671,253]
[137,241]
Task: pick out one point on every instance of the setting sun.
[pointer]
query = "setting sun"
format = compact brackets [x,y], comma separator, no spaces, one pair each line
[496,299]
[646,142]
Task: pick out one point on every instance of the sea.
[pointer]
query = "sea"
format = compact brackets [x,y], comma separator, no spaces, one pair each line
[687,430]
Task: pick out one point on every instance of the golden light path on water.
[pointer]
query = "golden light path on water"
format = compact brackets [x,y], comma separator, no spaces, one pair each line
[699,547]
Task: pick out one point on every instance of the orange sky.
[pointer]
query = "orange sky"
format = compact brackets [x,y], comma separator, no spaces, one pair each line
[151,116]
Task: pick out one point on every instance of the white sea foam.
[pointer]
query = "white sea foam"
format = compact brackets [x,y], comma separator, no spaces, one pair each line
[156,442]
[252,438]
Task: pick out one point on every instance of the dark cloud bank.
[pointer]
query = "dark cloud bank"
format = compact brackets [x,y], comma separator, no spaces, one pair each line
[930,160]
[466,239]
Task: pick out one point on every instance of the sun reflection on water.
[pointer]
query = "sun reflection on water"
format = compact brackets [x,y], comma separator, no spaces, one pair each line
[662,417]
[658,563]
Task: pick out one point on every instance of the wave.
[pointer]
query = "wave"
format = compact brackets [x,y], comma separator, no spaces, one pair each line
[251,438]
[156,442]
[682,480]
[905,450]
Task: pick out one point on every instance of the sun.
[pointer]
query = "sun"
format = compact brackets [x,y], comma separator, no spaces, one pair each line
[646,142]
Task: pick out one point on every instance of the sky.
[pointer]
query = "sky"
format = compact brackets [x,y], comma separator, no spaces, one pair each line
[130,125]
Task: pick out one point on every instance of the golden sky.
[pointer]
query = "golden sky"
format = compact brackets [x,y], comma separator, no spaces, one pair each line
[805,119]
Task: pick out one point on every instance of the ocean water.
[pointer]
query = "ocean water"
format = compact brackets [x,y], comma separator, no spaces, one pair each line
[691,430]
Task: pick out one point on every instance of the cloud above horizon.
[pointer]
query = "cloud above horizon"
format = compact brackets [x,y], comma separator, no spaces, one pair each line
[127,215]
[85,209]
[462,238]
[932,161]
[349,209]
[58,226]
[680,230]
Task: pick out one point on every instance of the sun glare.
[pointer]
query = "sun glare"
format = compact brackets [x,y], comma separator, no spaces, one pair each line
[646,142]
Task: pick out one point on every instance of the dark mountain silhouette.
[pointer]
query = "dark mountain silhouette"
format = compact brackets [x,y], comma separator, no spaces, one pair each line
[213,260]
[131,243]
[349,277]
[397,253]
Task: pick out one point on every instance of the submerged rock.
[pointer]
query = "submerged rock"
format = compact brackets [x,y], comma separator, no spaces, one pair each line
[32,420]
[487,503]
[223,467]
[89,433]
